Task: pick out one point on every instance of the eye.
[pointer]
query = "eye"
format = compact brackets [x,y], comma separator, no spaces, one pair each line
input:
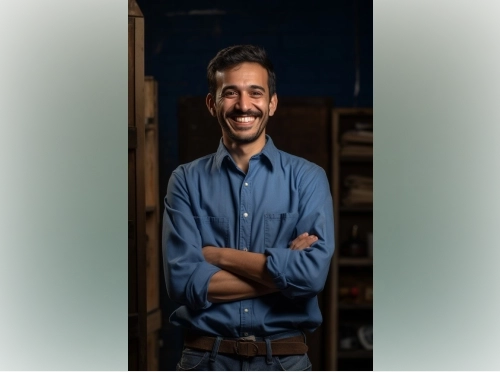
[229,93]
[256,93]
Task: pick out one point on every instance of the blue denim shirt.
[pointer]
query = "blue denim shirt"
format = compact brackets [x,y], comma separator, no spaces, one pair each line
[210,201]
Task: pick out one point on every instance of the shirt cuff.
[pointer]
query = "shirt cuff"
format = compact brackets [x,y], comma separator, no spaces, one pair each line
[197,289]
[276,263]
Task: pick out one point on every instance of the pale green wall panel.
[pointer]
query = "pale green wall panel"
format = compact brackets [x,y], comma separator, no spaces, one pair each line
[63,214]
[436,185]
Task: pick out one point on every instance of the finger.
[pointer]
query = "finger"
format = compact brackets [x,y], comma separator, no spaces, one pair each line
[303,242]
[309,241]
[294,242]
[300,238]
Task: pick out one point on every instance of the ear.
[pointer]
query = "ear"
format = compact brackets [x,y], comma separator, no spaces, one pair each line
[273,104]
[210,102]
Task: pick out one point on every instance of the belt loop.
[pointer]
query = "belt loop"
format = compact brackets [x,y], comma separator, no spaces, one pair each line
[303,334]
[269,351]
[215,349]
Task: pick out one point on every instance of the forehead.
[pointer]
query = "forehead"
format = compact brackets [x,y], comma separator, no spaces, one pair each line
[242,75]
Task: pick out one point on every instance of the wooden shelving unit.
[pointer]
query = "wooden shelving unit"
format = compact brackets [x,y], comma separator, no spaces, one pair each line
[356,270]
[137,311]
[152,218]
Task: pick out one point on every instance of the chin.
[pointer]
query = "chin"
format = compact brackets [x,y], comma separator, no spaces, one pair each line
[243,139]
[243,136]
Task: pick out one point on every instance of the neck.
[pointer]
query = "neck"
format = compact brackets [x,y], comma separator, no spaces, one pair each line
[242,152]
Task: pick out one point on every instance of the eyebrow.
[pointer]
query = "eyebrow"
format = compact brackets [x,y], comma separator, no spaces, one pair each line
[258,87]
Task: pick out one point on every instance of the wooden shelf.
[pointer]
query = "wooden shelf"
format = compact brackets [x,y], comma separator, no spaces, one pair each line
[348,306]
[355,354]
[356,159]
[355,261]
[349,271]
[357,209]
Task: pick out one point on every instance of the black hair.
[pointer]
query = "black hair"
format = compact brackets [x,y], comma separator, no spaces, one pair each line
[236,54]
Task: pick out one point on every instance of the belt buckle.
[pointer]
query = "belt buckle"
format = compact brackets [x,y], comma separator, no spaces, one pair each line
[246,348]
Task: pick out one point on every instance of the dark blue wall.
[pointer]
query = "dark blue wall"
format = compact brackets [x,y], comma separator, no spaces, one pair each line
[313,48]
[316,49]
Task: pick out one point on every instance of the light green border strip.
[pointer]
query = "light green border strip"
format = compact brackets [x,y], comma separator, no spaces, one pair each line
[437,182]
[63,214]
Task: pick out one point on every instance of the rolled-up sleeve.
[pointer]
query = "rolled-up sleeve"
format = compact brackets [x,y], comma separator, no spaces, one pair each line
[187,274]
[303,273]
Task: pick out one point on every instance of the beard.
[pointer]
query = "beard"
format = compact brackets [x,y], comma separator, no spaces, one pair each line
[241,138]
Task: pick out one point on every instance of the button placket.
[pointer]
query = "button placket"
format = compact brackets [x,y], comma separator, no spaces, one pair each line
[244,242]
[245,216]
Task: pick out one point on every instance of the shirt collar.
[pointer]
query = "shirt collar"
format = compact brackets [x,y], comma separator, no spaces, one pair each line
[269,151]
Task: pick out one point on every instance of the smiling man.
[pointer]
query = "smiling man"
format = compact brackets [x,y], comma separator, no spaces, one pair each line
[248,232]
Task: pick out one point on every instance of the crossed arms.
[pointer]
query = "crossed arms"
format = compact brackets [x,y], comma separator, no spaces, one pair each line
[199,274]
[244,274]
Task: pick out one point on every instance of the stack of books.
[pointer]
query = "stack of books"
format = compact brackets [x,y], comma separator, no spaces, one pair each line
[359,190]
[358,141]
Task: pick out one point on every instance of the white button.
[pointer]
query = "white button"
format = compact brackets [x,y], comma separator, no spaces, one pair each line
[245,334]
[246,183]
[245,249]
[246,310]
[245,214]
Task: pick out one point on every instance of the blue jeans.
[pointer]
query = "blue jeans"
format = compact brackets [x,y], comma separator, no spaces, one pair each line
[197,360]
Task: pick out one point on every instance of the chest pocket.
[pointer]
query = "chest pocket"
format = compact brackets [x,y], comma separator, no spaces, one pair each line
[279,229]
[213,230]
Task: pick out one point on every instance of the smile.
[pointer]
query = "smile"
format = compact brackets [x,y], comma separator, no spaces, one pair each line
[244,119]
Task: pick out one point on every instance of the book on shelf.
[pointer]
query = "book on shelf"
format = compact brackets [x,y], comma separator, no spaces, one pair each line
[359,190]
[357,136]
[356,181]
[356,150]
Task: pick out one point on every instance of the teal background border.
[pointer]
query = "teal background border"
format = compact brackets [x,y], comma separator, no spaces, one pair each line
[436,185]
[63,214]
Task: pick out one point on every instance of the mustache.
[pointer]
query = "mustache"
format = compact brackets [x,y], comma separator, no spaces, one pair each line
[236,112]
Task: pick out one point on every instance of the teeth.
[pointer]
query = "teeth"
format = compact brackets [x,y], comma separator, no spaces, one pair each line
[244,119]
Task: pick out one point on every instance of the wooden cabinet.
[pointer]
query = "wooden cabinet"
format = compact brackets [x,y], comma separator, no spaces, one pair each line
[137,330]
[153,210]
[350,316]
[144,316]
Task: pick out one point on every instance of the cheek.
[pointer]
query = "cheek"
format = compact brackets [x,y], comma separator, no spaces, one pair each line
[223,108]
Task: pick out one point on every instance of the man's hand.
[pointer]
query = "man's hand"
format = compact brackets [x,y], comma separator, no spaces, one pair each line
[303,241]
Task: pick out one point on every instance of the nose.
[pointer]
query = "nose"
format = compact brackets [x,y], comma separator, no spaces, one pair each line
[243,102]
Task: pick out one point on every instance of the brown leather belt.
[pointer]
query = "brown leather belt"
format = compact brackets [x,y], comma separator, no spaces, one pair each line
[247,348]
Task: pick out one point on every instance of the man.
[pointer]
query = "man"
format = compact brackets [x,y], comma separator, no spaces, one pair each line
[248,232]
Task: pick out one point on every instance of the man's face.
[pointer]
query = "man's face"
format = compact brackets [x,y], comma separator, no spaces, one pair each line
[242,104]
